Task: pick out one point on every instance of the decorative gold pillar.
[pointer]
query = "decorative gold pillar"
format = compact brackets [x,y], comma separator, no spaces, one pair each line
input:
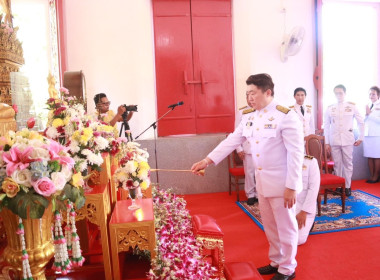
[11,58]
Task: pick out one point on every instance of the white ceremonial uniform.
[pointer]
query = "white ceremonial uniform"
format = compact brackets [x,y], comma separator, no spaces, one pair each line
[307,118]
[307,199]
[277,144]
[249,178]
[371,143]
[338,130]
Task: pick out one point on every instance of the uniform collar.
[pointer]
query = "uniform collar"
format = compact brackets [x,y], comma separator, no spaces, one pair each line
[270,106]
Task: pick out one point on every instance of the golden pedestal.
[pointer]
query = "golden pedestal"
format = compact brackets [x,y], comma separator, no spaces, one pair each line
[38,239]
[131,229]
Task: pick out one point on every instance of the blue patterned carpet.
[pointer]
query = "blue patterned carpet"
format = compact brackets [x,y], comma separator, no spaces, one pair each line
[362,211]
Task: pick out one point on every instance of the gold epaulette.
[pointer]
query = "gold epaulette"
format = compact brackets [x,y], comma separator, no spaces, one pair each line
[308,106]
[250,110]
[351,103]
[291,106]
[241,108]
[282,109]
[309,157]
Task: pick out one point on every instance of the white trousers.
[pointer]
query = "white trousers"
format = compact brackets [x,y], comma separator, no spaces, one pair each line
[249,181]
[303,233]
[281,229]
[343,167]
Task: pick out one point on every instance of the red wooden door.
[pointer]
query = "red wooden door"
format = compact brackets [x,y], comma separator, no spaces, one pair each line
[193,45]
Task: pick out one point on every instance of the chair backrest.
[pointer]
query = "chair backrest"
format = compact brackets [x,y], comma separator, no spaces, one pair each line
[235,160]
[315,146]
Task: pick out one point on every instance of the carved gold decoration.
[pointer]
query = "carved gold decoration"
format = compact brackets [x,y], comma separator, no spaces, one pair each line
[136,237]
[53,93]
[11,58]
[38,239]
[7,119]
[217,251]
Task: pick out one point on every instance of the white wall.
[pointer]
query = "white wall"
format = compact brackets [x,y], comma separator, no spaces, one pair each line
[112,42]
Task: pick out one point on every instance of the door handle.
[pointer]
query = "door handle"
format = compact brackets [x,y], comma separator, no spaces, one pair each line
[203,83]
[186,83]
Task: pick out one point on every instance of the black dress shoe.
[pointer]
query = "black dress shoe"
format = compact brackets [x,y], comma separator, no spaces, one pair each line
[252,200]
[280,276]
[373,181]
[268,269]
[348,192]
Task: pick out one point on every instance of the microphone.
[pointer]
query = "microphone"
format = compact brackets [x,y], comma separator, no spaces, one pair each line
[175,105]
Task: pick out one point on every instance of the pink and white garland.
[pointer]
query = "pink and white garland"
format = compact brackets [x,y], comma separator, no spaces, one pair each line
[26,273]
[178,252]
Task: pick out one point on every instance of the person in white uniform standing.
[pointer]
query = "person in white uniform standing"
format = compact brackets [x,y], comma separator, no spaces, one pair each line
[371,144]
[245,154]
[277,145]
[339,134]
[303,111]
[306,206]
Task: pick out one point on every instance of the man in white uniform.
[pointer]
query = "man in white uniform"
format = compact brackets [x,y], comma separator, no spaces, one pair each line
[339,134]
[276,139]
[245,154]
[306,206]
[303,111]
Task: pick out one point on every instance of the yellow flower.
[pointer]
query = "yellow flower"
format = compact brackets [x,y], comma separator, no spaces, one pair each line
[66,120]
[121,176]
[76,135]
[10,187]
[35,135]
[57,122]
[144,165]
[87,132]
[84,139]
[77,180]
[144,185]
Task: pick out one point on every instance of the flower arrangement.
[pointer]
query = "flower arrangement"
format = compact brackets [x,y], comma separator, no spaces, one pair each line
[34,170]
[85,137]
[178,252]
[134,170]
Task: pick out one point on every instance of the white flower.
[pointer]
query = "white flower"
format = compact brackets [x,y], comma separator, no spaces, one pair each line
[93,158]
[83,166]
[136,183]
[130,167]
[67,172]
[52,132]
[59,180]
[40,153]
[74,147]
[101,142]
[22,177]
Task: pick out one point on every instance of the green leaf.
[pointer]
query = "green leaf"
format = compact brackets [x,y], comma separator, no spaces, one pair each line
[30,202]
[2,196]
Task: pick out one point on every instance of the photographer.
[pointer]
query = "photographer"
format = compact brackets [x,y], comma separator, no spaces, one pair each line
[105,114]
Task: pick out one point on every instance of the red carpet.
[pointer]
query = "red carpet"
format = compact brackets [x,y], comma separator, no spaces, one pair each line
[344,255]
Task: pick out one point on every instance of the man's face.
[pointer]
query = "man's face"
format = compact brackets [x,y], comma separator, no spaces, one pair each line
[256,98]
[300,97]
[339,94]
[103,105]
[373,96]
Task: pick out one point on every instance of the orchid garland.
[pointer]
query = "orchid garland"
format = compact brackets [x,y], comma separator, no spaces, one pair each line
[178,252]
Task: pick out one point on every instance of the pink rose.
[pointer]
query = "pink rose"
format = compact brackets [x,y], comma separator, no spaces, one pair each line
[14,106]
[30,123]
[44,186]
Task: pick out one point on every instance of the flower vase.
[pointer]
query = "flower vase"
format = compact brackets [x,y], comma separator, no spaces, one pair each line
[86,177]
[133,195]
[38,239]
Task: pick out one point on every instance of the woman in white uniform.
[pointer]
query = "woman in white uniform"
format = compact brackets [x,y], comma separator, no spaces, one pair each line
[371,144]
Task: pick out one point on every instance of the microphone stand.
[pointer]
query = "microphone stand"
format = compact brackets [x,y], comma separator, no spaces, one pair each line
[154,125]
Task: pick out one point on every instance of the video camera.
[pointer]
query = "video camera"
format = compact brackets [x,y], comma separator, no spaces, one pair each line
[130,108]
